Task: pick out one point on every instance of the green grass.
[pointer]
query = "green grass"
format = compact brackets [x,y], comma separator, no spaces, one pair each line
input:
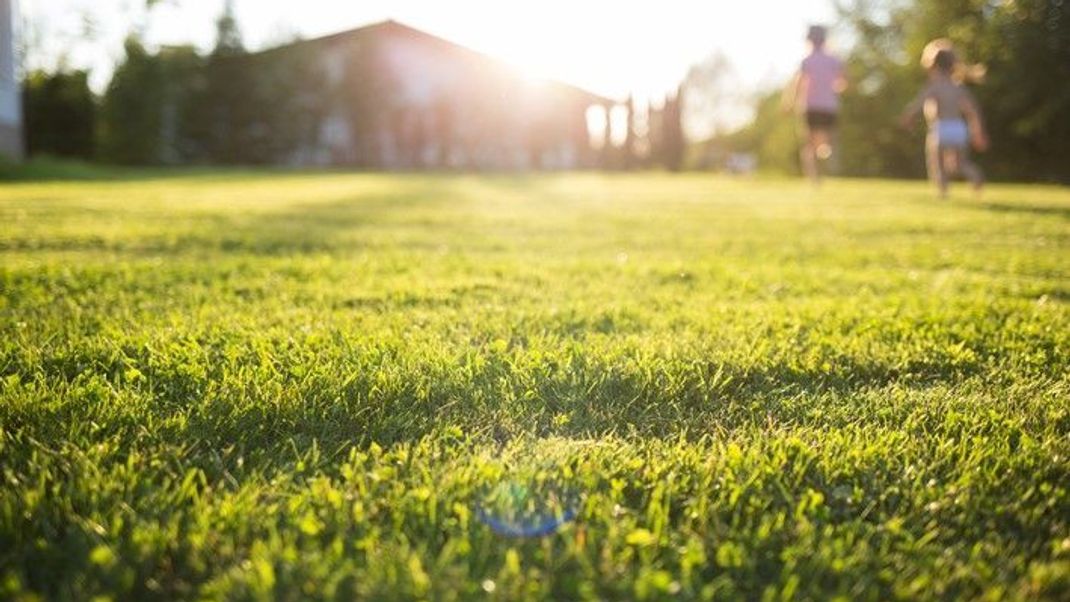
[253,386]
[45,168]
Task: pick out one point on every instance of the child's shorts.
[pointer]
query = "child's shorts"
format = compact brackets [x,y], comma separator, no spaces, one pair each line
[821,120]
[952,133]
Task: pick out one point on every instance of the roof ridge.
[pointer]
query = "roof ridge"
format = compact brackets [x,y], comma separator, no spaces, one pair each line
[392,23]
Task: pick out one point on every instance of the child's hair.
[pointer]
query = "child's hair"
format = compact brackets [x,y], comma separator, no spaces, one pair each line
[940,55]
[817,35]
[945,61]
[941,46]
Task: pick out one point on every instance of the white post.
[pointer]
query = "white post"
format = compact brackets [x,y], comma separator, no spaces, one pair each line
[10,96]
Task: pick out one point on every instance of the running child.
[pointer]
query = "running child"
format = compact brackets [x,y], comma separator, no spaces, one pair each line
[953,116]
[815,93]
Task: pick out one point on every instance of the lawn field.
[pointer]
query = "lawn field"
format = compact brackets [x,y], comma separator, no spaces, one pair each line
[565,387]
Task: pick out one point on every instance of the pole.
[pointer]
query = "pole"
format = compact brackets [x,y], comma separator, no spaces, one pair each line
[11,145]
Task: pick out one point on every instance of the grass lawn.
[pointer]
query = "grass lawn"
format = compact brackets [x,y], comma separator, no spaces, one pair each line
[291,386]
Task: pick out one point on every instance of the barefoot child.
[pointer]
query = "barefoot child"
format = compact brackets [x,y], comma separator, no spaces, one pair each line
[954,120]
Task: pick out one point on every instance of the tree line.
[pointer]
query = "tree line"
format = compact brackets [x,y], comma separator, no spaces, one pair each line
[177,106]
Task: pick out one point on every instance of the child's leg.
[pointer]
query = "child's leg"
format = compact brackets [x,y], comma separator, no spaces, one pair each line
[834,151]
[822,142]
[950,157]
[934,162]
[970,169]
[808,154]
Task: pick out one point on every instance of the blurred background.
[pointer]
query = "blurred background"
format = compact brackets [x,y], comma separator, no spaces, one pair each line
[485,85]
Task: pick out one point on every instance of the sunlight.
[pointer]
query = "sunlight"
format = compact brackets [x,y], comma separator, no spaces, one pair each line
[610,48]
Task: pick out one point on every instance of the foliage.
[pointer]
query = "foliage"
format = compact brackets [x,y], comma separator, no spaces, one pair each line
[773,137]
[59,111]
[228,34]
[669,147]
[630,149]
[288,105]
[713,98]
[176,107]
[145,116]
[131,120]
[1027,94]
[258,109]
[241,386]
[224,106]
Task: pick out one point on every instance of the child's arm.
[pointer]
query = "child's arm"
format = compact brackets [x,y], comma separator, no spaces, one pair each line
[975,120]
[910,113]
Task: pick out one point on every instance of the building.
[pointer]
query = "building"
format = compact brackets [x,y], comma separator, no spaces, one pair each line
[11,144]
[389,96]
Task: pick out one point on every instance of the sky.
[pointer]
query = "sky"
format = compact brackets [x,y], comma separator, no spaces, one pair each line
[610,47]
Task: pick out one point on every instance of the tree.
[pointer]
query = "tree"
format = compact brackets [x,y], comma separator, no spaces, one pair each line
[713,98]
[228,40]
[230,107]
[631,136]
[673,142]
[1027,92]
[225,103]
[131,116]
[146,116]
[286,104]
[59,111]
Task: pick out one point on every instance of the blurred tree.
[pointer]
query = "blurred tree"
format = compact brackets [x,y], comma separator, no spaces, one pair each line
[183,79]
[630,150]
[228,41]
[255,108]
[287,103]
[713,98]
[230,107]
[59,111]
[672,141]
[146,116]
[1026,96]
[131,116]
[225,104]
[653,135]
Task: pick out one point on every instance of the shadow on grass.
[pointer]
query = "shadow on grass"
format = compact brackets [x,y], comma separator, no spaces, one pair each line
[301,228]
[1036,210]
[49,169]
[267,411]
[327,227]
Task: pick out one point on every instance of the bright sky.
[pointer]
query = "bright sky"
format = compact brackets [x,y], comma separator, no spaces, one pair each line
[611,47]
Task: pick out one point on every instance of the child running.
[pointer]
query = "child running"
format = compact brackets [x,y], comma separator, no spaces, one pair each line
[953,116]
[815,92]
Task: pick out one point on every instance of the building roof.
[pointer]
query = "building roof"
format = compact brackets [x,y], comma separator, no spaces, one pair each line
[395,28]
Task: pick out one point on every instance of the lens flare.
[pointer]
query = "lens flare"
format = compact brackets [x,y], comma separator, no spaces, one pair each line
[526,509]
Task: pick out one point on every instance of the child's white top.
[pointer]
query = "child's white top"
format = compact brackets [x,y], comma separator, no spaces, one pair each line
[820,73]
